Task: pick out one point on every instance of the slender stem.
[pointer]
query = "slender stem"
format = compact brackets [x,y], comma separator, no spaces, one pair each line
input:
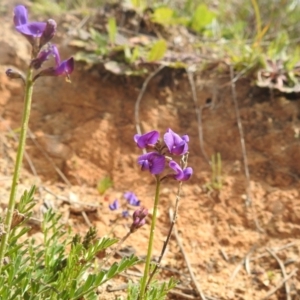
[150,244]
[18,164]
[169,234]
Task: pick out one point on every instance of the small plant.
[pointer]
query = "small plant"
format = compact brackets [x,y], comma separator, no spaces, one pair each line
[216,173]
[155,162]
[64,265]
[49,270]
[39,35]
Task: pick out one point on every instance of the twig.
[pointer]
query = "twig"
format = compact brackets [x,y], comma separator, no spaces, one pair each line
[241,132]
[120,287]
[198,111]
[278,286]
[186,296]
[196,284]
[68,200]
[166,242]
[241,263]
[243,146]
[182,295]
[247,263]
[224,254]
[274,250]
[86,219]
[283,271]
[140,96]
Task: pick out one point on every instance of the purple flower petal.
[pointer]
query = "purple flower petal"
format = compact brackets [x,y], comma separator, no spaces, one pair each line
[56,55]
[181,175]
[115,205]
[20,15]
[177,145]
[42,57]
[31,30]
[132,199]
[65,68]
[188,172]
[34,29]
[152,161]
[146,139]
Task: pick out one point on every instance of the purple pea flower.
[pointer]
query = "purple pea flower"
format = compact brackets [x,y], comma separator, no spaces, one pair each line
[139,219]
[181,175]
[65,67]
[115,205]
[125,213]
[37,62]
[31,30]
[152,161]
[177,145]
[147,139]
[132,199]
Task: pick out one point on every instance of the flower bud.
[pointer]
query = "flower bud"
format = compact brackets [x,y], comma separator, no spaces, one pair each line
[37,62]
[139,219]
[48,33]
[14,74]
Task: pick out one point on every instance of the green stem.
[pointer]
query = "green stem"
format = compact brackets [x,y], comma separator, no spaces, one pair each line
[150,244]
[18,164]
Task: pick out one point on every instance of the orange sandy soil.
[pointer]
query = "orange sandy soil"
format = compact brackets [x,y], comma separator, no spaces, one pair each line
[84,130]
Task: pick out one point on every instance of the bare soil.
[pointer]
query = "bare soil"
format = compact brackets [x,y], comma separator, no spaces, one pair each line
[83,131]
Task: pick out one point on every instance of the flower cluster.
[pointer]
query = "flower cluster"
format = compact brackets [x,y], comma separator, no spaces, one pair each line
[131,199]
[39,35]
[155,161]
[138,216]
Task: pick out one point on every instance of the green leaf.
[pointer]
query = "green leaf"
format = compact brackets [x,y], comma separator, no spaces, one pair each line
[105,183]
[112,270]
[86,286]
[88,58]
[27,202]
[112,29]
[157,51]
[98,38]
[163,16]
[139,4]
[202,17]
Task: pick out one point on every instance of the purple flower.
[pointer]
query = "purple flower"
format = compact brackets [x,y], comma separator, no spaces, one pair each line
[139,219]
[31,30]
[152,161]
[65,67]
[37,62]
[146,139]
[132,199]
[125,213]
[48,33]
[181,175]
[176,144]
[115,205]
